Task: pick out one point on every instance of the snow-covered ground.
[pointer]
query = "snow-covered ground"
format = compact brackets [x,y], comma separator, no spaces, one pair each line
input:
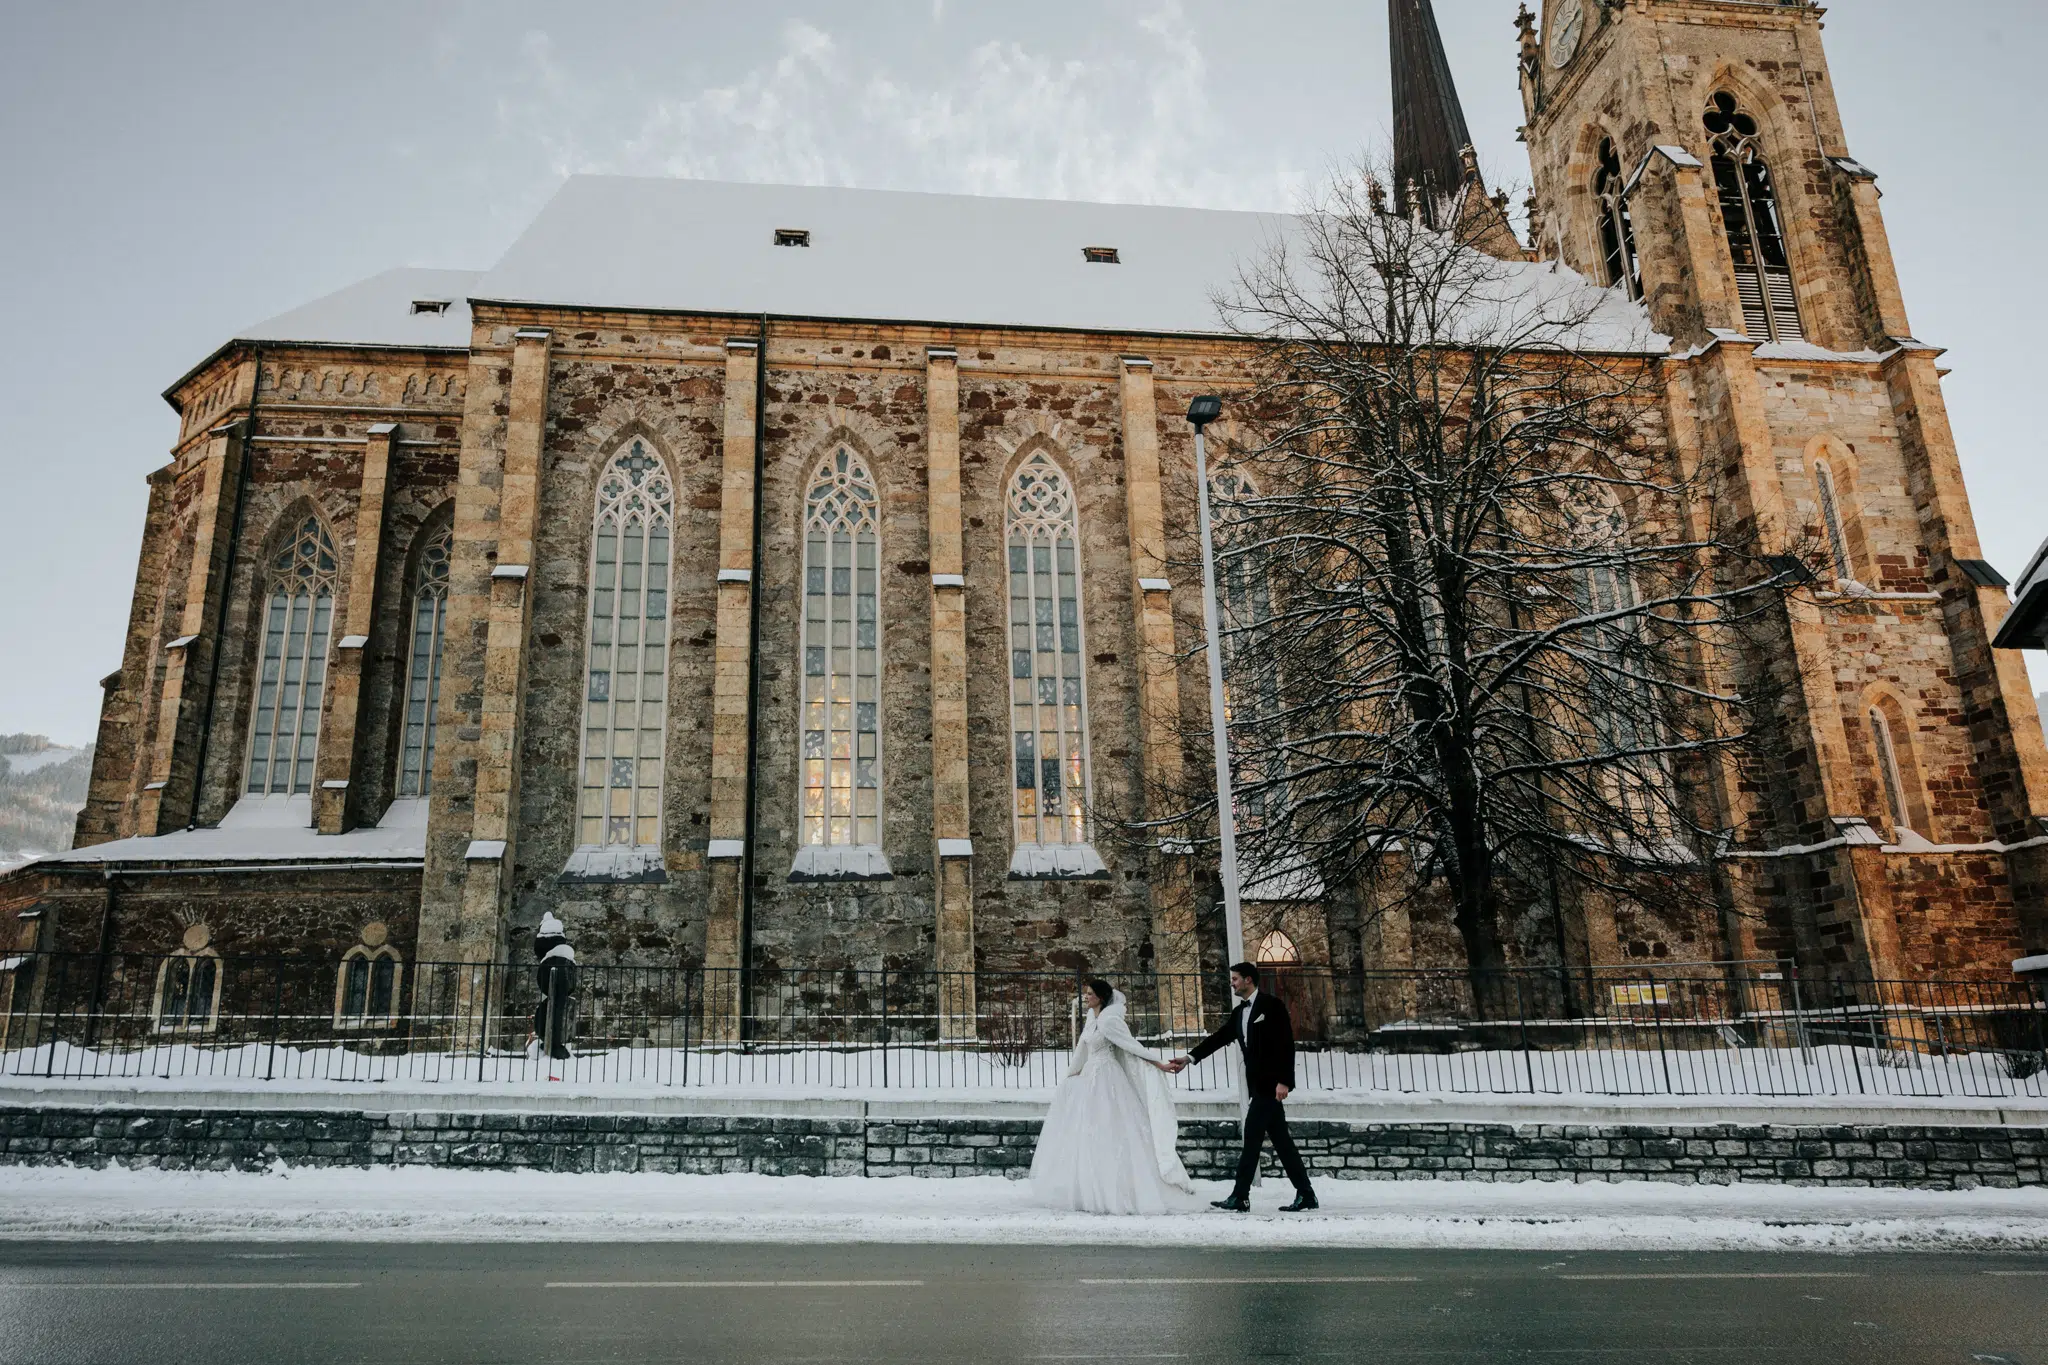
[439,1205]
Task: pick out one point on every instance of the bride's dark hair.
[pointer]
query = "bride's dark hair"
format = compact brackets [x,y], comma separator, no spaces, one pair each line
[1105,994]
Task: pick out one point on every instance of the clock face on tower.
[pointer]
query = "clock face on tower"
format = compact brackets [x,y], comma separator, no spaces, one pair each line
[1567,26]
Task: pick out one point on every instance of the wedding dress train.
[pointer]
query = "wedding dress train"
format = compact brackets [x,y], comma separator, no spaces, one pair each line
[1109,1140]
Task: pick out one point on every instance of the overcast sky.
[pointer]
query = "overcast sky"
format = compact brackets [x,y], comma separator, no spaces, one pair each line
[174,173]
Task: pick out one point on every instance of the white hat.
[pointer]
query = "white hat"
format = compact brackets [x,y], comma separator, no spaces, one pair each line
[550,927]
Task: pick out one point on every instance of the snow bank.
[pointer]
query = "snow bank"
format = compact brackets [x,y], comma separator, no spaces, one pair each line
[440,1205]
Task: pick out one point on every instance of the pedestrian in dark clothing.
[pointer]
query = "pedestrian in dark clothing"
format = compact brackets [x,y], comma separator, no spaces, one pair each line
[1262,1028]
[554,1017]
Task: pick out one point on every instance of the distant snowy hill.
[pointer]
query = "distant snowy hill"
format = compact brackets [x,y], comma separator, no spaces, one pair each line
[42,789]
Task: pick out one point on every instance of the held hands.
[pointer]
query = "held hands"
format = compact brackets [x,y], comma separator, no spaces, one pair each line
[1174,1067]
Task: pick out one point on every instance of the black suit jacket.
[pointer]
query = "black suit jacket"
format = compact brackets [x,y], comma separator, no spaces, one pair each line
[1269,1055]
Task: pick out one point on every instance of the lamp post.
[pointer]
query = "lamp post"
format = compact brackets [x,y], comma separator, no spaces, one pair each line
[1201,412]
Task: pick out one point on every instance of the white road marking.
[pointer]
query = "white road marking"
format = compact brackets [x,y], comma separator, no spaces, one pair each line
[1730,1275]
[184,1284]
[2016,1274]
[1274,1279]
[734,1284]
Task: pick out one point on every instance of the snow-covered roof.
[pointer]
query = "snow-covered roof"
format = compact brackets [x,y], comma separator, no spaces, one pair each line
[706,246]
[269,830]
[380,311]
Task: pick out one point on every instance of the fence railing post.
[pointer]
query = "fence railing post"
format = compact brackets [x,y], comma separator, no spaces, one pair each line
[276,1015]
[1657,1014]
[885,1028]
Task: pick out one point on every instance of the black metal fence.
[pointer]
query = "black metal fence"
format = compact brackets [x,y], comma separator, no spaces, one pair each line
[1710,1030]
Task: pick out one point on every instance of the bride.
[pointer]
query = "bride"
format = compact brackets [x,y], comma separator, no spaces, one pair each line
[1108,1144]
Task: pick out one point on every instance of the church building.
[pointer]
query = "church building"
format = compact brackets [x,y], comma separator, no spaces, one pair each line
[768,575]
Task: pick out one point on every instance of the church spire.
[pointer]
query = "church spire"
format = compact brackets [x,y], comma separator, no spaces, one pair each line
[1429,125]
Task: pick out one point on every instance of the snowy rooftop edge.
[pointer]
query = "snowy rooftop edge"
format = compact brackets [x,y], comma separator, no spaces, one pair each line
[709,247]
[278,831]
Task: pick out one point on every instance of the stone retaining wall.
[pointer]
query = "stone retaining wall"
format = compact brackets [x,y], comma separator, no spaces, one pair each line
[1925,1157]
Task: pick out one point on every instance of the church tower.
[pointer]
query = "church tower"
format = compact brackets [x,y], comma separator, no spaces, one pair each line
[1691,154]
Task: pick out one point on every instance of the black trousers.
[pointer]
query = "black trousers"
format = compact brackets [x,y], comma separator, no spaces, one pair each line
[1268,1117]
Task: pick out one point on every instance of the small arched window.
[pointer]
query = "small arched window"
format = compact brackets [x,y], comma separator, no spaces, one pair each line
[423,673]
[1754,225]
[188,985]
[1278,949]
[1617,229]
[626,682]
[366,986]
[1048,694]
[1891,772]
[285,729]
[842,740]
[1831,520]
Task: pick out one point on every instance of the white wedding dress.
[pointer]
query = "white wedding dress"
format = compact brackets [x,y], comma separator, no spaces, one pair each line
[1109,1140]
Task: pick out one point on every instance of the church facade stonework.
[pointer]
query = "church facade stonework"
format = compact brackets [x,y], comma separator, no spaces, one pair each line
[779,577]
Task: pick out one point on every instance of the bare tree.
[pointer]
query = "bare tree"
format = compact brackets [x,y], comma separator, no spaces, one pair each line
[1486,634]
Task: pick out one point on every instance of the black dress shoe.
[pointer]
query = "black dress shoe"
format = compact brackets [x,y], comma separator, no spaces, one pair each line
[1302,1203]
[1237,1203]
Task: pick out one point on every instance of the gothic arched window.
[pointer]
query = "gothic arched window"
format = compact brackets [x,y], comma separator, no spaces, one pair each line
[423,673]
[1048,697]
[1617,229]
[284,732]
[842,738]
[1898,774]
[1251,680]
[366,987]
[1623,701]
[1831,519]
[1755,227]
[626,683]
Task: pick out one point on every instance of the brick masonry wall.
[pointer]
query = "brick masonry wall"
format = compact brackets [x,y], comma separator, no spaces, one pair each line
[1919,1157]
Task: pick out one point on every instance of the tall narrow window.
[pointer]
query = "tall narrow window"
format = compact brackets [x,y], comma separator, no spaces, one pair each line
[285,732]
[1756,232]
[1048,704]
[626,684]
[1889,775]
[423,676]
[1251,684]
[842,762]
[1831,519]
[1623,703]
[1617,229]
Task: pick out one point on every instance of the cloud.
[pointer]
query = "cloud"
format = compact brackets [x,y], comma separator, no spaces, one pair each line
[1124,117]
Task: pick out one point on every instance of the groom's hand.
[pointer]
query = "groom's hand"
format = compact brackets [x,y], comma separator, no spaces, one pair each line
[1281,1092]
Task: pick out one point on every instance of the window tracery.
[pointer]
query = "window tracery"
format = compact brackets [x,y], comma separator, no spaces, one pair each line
[366,987]
[626,679]
[1617,228]
[1047,679]
[423,672]
[285,726]
[842,755]
[1751,218]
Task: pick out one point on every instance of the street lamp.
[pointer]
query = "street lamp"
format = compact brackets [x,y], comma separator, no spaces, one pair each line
[1201,412]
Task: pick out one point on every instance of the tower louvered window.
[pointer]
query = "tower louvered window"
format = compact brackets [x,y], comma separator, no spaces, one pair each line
[285,731]
[626,683]
[1048,700]
[1755,228]
[1617,229]
[842,740]
[423,673]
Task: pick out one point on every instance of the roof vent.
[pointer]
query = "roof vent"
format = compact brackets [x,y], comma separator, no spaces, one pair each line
[1100,255]
[792,236]
[434,306]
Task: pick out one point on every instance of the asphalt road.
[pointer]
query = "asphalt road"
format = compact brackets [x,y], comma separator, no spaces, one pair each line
[71,1303]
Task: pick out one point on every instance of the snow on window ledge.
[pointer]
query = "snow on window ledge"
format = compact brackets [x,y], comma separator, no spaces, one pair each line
[840,863]
[271,812]
[1057,863]
[614,864]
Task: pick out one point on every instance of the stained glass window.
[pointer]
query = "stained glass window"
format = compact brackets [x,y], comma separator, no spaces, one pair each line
[423,675]
[626,683]
[1048,698]
[842,739]
[285,731]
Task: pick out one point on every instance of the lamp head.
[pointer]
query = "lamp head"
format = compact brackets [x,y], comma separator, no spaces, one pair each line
[1205,410]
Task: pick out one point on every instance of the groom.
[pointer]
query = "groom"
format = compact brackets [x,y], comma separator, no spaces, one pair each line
[1260,1025]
